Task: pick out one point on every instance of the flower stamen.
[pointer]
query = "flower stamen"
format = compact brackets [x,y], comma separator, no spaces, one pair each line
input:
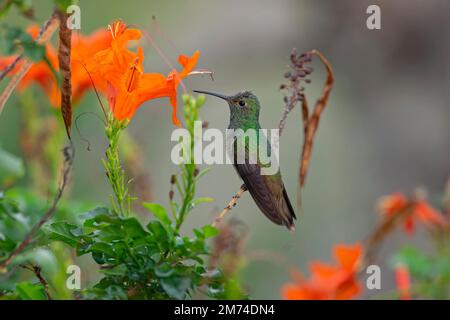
[132,78]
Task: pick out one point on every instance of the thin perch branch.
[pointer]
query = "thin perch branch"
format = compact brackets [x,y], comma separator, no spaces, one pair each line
[68,161]
[10,67]
[37,271]
[231,205]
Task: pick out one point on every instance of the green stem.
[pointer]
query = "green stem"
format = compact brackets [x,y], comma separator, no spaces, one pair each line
[188,171]
[188,196]
[113,167]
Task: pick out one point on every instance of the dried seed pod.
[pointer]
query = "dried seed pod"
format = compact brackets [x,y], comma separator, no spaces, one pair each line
[308,70]
[301,73]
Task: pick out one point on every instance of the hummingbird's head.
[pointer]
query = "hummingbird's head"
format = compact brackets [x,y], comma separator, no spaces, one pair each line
[243,105]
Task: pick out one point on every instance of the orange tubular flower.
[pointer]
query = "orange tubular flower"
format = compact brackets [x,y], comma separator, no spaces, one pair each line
[128,87]
[330,282]
[410,211]
[174,78]
[83,50]
[403,281]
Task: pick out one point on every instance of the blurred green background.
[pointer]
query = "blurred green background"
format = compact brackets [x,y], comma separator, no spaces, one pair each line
[385,128]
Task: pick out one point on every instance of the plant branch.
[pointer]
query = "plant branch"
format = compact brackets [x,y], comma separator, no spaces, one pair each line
[188,193]
[68,153]
[38,272]
[10,67]
[230,205]
[113,166]
[45,33]
[313,122]
[297,76]
[64,54]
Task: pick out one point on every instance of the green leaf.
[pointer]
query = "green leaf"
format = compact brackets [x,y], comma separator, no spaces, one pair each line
[96,212]
[63,4]
[158,211]
[164,270]
[102,248]
[28,291]
[6,245]
[201,200]
[23,6]
[11,168]
[64,232]
[198,233]
[202,173]
[210,231]
[5,8]
[99,216]
[176,287]
[16,40]
[133,228]
[158,230]
[118,271]
[415,260]
[33,51]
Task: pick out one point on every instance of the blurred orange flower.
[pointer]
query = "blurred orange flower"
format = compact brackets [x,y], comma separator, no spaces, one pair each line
[128,87]
[330,282]
[83,50]
[410,210]
[103,59]
[403,281]
[39,72]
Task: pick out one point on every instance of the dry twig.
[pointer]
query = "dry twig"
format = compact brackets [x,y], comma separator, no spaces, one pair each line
[68,153]
[384,227]
[45,33]
[313,121]
[38,272]
[297,76]
[230,206]
[64,49]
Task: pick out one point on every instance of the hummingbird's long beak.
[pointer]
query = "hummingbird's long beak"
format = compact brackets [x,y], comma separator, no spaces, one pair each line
[218,95]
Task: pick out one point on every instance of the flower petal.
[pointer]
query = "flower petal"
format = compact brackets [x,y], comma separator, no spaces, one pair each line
[428,214]
[348,256]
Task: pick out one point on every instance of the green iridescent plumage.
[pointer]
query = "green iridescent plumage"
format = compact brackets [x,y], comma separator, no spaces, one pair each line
[268,191]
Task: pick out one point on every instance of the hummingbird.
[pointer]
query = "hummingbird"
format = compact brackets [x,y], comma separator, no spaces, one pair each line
[268,191]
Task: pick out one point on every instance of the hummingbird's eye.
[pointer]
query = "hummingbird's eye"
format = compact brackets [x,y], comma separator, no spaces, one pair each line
[242,103]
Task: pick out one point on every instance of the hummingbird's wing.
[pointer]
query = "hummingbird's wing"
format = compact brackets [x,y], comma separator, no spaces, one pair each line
[269,194]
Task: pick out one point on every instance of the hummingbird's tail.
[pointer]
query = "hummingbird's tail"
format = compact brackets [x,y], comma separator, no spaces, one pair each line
[289,212]
[271,197]
[269,194]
